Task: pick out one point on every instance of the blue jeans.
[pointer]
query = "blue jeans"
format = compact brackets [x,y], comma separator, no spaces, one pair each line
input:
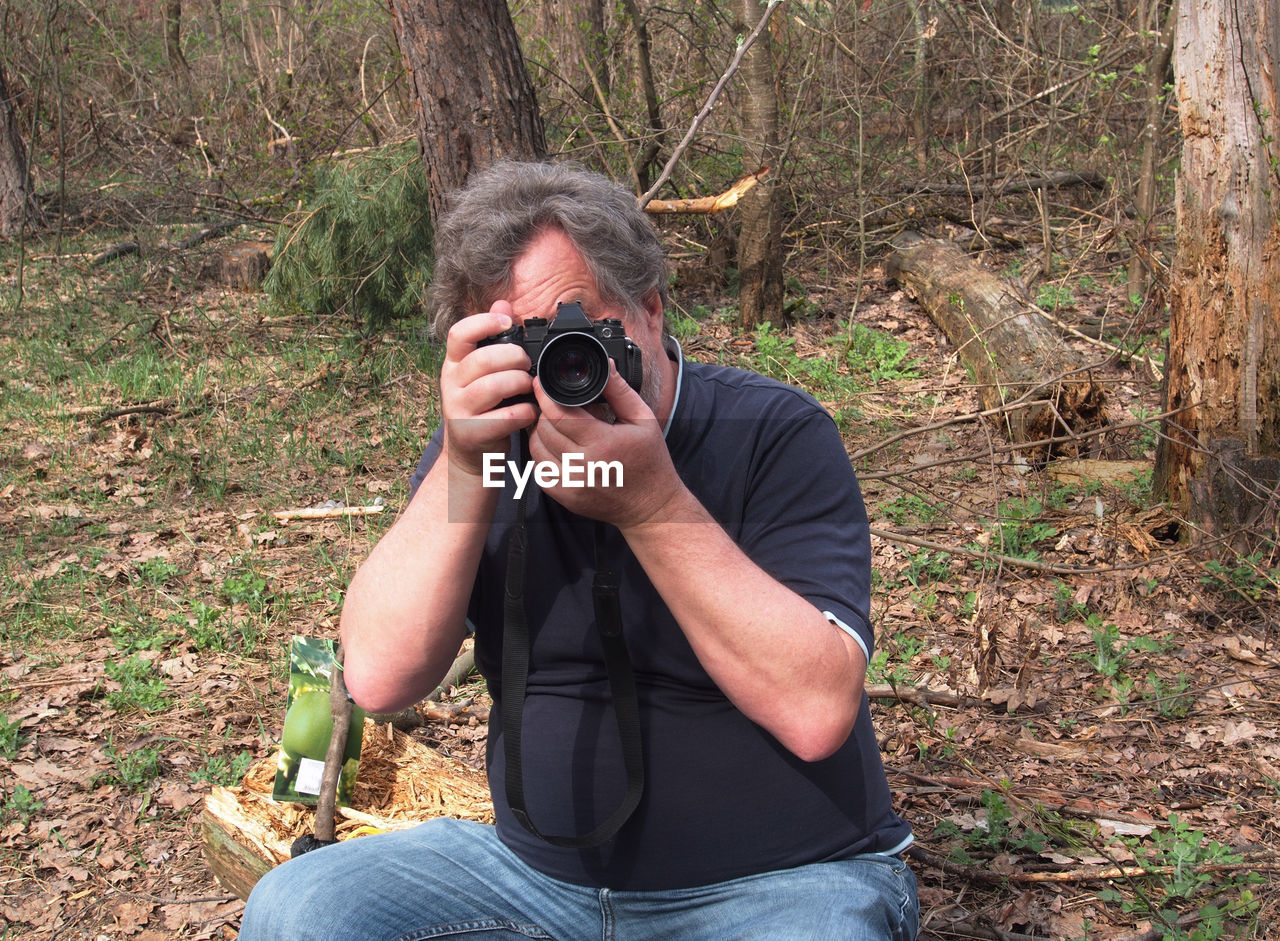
[448,878]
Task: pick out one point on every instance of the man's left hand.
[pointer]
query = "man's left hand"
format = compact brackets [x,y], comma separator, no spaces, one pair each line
[632,441]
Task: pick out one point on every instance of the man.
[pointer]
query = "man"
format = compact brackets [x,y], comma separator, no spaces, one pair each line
[717,779]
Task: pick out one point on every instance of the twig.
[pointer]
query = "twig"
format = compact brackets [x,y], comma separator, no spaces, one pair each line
[326,512]
[211,232]
[1080,874]
[132,410]
[921,697]
[463,664]
[1004,188]
[1014,561]
[114,252]
[1010,448]
[340,707]
[702,115]
[453,712]
[992,933]
[709,205]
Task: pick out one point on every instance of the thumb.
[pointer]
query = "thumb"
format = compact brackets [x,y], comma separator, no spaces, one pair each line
[625,401]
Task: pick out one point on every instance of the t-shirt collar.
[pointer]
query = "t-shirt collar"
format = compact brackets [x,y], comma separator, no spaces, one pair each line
[673,350]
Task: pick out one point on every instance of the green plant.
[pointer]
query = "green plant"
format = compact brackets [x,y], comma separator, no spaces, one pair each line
[133,769]
[1052,296]
[999,831]
[363,244]
[249,589]
[926,603]
[1138,490]
[133,634]
[157,571]
[11,737]
[1171,699]
[1110,656]
[140,688]
[927,567]
[202,626]
[907,509]
[20,806]
[1195,894]
[1246,580]
[224,771]
[1147,438]
[1018,528]
[878,355]
[1064,598]
[902,648]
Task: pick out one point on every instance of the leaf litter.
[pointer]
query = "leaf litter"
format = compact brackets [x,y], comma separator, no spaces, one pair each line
[1101,728]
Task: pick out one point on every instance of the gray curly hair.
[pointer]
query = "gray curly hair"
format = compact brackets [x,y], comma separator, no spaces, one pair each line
[494,217]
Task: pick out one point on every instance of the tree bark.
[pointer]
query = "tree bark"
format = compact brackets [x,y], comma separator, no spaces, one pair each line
[1223,367]
[1009,348]
[173,38]
[17,205]
[472,94]
[1148,187]
[244,833]
[655,134]
[760,236]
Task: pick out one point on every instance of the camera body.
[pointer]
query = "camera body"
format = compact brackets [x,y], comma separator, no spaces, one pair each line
[571,354]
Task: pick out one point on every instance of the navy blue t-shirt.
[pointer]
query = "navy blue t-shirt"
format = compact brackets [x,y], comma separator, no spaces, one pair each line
[723,798]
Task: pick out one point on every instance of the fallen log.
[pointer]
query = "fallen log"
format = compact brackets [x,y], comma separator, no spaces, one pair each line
[1005,187]
[1041,387]
[401,782]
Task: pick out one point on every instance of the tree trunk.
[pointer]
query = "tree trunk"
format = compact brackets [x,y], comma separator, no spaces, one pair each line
[1007,345]
[173,37]
[244,833]
[760,237]
[1223,366]
[921,125]
[17,205]
[656,132]
[593,40]
[1148,186]
[472,93]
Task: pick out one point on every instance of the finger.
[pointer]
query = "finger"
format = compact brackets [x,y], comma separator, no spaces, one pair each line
[489,390]
[625,401]
[467,333]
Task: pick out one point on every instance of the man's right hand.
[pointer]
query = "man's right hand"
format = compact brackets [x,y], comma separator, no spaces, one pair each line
[474,381]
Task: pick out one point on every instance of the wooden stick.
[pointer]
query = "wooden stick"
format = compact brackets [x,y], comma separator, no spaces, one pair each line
[340,707]
[921,697]
[708,205]
[1080,874]
[326,512]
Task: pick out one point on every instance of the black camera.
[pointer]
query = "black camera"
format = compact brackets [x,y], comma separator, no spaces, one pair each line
[571,353]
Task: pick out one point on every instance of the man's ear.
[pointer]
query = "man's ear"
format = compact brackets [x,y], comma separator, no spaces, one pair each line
[653,309]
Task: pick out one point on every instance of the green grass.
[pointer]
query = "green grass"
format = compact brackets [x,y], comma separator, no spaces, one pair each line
[850,362]
[149,536]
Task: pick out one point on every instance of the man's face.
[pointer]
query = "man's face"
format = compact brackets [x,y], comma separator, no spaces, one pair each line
[551,271]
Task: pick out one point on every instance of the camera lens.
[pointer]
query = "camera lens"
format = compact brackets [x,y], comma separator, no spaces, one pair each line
[574,368]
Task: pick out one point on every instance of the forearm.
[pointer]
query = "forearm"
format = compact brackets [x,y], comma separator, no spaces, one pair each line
[404,615]
[774,654]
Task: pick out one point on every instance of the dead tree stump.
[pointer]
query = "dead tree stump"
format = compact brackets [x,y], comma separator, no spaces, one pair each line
[1236,498]
[242,265]
[1020,364]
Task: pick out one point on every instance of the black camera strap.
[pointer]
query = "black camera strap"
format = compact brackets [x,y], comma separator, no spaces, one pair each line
[516,647]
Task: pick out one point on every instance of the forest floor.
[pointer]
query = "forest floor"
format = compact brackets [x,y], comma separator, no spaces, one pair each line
[1078,715]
